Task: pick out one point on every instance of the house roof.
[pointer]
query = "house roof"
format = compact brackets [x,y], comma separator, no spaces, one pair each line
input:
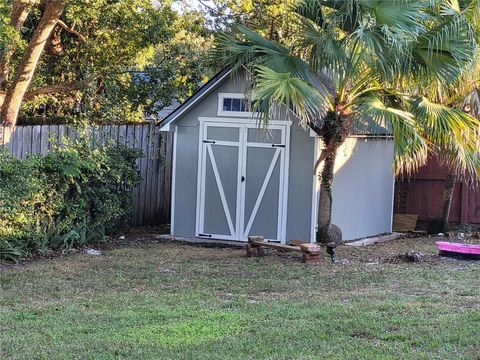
[194,99]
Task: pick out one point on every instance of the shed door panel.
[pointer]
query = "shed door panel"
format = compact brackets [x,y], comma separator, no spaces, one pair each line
[262,188]
[220,190]
[219,187]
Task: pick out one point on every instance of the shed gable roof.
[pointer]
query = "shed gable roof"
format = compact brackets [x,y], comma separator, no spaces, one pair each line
[366,128]
[195,98]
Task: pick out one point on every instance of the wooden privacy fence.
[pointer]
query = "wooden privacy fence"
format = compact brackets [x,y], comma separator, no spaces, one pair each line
[151,198]
[422,195]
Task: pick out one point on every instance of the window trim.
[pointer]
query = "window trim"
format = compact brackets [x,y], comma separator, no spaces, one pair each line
[221,112]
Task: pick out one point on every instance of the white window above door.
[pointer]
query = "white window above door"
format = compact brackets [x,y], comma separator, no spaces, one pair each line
[234,104]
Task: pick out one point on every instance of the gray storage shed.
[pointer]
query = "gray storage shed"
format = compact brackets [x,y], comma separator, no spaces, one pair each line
[232,179]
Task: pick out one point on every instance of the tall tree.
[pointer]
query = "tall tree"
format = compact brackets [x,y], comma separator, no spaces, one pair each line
[78,57]
[357,62]
[270,18]
[52,10]
[463,94]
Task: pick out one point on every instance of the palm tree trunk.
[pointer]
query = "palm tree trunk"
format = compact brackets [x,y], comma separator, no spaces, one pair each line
[324,215]
[440,223]
[327,233]
[26,69]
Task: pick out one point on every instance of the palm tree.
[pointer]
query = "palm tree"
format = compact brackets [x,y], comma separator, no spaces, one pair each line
[464,94]
[460,164]
[357,63]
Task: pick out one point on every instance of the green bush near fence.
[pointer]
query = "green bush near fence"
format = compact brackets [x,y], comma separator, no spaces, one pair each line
[75,195]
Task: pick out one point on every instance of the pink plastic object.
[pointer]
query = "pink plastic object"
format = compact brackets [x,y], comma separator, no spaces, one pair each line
[458,248]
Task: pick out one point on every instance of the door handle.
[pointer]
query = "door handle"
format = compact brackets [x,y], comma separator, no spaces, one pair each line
[242,178]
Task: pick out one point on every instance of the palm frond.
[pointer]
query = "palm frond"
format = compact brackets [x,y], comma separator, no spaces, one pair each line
[402,17]
[324,47]
[410,148]
[470,9]
[250,49]
[310,9]
[272,89]
[445,51]
[454,133]
[245,47]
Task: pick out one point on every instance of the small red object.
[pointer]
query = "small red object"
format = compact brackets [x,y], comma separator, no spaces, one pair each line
[311,258]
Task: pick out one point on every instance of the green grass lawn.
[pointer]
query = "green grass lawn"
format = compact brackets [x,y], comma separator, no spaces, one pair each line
[164,300]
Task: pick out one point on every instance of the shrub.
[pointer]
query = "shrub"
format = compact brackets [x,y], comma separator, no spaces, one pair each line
[75,195]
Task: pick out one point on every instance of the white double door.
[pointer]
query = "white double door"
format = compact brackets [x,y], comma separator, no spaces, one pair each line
[242,187]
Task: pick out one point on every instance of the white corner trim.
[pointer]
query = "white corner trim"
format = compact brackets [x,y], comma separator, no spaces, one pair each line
[313,221]
[166,127]
[393,191]
[284,191]
[174,171]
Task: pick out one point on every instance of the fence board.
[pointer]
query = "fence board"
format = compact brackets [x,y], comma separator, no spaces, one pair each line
[36,139]
[154,169]
[168,173]
[17,137]
[151,198]
[143,173]
[150,173]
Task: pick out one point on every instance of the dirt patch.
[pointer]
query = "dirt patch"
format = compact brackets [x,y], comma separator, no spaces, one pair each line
[395,251]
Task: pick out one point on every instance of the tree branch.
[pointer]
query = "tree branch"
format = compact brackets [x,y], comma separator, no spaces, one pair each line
[20,11]
[55,89]
[71,31]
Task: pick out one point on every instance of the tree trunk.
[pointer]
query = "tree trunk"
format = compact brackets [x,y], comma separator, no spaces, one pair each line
[324,216]
[327,233]
[440,223]
[20,11]
[31,57]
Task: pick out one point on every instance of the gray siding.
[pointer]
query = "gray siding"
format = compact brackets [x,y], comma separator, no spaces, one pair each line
[186,153]
[363,187]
